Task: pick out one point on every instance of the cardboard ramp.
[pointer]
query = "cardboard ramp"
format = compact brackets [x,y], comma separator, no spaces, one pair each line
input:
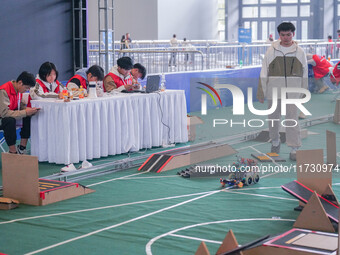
[303,193]
[302,241]
[20,178]
[189,155]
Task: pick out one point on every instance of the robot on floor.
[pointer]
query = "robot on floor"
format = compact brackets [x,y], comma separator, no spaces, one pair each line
[244,172]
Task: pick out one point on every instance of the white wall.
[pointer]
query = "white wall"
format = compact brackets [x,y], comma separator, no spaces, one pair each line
[159,19]
[328,18]
[137,17]
[233,16]
[193,19]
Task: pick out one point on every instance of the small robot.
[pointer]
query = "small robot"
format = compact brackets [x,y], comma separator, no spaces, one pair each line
[244,172]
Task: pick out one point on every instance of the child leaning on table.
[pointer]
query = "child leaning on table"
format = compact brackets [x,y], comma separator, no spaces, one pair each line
[82,78]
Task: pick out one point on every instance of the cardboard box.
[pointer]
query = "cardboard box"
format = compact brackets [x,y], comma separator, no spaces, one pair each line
[192,121]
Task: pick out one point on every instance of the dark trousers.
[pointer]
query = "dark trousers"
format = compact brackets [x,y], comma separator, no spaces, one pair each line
[8,125]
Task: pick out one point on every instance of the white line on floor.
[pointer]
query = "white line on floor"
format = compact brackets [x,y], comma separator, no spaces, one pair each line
[259,195]
[149,244]
[195,238]
[102,208]
[123,177]
[122,223]
[119,205]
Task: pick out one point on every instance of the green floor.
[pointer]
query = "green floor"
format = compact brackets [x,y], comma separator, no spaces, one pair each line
[148,213]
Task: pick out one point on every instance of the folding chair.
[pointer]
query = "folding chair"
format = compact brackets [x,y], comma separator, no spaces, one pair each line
[2,141]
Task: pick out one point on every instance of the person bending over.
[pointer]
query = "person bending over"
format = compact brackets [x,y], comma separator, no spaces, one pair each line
[12,109]
[137,72]
[119,77]
[83,76]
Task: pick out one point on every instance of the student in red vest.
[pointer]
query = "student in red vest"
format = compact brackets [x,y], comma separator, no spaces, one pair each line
[119,77]
[84,76]
[321,67]
[11,109]
[335,74]
[47,85]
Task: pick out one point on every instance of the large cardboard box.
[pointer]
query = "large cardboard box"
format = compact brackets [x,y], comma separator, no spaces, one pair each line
[20,178]
[192,121]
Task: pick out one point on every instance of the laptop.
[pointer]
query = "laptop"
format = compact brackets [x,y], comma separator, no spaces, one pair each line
[152,85]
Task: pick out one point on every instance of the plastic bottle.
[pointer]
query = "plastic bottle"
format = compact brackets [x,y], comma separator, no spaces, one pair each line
[162,88]
[65,94]
[81,92]
[92,90]
[241,63]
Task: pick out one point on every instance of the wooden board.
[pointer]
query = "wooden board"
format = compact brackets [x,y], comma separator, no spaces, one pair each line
[315,180]
[20,178]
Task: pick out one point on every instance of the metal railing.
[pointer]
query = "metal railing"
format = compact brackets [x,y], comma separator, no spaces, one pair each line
[205,57]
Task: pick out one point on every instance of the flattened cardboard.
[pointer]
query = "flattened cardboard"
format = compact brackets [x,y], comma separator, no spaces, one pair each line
[192,121]
[336,118]
[314,217]
[229,243]
[20,178]
[202,249]
[331,147]
[318,241]
[317,180]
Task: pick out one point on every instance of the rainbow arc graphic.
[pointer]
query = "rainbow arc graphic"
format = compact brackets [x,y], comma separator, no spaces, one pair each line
[204,97]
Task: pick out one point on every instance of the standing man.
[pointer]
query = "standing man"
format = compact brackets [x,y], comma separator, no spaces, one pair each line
[12,109]
[173,44]
[284,65]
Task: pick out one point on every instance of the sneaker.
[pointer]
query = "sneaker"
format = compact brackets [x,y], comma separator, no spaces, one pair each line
[275,149]
[323,89]
[19,151]
[302,115]
[292,156]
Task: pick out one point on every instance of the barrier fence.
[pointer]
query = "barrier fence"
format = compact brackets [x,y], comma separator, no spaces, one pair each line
[201,55]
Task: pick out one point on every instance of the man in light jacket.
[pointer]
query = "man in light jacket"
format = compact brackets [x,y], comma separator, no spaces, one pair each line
[284,65]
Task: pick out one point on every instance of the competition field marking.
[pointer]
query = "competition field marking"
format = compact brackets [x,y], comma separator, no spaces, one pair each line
[122,223]
[153,240]
[119,205]
[195,238]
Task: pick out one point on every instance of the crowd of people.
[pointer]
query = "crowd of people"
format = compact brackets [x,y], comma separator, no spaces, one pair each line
[124,75]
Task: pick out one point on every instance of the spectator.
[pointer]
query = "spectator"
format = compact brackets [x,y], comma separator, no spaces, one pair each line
[122,43]
[270,39]
[329,47]
[119,76]
[12,109]
[173,44]
[290,70]
[320,69]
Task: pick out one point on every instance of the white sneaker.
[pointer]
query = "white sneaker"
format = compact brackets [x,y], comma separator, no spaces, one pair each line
[85,164]
[68,168]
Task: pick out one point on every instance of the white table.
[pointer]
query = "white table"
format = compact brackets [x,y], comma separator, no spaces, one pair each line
[85,129]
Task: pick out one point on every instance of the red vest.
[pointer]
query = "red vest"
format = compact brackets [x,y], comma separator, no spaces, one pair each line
[46,90]
[321,68]
[81,79]
[118,81]
[12,95]
[57,89]
[336,73]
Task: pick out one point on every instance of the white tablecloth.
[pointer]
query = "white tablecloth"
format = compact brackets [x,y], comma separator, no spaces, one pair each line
[65,133]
